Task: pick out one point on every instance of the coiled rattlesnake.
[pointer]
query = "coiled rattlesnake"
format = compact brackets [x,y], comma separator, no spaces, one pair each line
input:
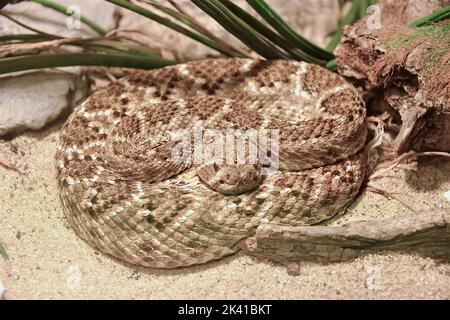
[124,193]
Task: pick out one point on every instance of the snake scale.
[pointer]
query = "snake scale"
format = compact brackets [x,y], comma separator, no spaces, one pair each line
[125,195]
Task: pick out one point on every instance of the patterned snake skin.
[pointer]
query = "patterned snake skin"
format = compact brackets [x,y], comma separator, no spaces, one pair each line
[125,195]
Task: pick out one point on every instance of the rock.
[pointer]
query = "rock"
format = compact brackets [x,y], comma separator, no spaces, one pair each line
[31,100]
[293,269]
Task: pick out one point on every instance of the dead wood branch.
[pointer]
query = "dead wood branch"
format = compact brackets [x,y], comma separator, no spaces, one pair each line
[427,234]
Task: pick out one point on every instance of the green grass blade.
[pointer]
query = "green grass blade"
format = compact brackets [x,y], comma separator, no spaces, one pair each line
[255,23]
[104,48]
[80,59]
[4,3]
[232,23]
[173,13]
[63,9]
[3,252]
[434,17]
[189,21]
[268,14]
[349,18]
[114,45]
[170,24]
[176,15]
[363,5]
[268,33]
[331,65]
[23,25]
[24,37]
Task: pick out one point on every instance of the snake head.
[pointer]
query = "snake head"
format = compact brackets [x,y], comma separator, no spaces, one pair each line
[230,179]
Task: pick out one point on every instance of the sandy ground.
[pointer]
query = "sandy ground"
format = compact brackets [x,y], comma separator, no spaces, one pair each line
[48,261]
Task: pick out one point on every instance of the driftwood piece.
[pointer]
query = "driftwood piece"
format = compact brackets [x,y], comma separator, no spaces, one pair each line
[404,71]
[427,234]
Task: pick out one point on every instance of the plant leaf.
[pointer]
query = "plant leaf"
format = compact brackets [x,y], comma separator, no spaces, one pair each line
[268,33]
[296,40]
[63,9]
[350,18]
[28,37]
[3,252]
[80,59]
[23,25]
[190,21]
[232,23]
[434,17]
[168,23]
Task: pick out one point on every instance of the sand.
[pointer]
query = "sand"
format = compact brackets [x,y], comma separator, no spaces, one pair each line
[48,261]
